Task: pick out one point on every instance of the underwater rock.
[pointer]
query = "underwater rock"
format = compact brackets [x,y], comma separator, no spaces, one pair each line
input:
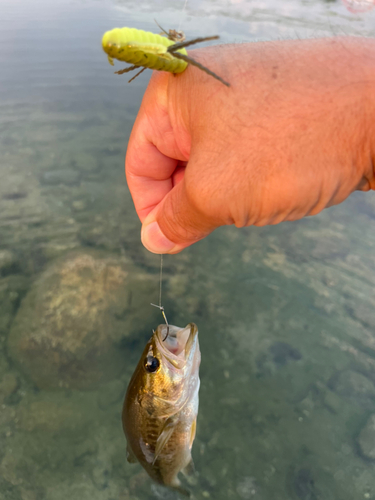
[322,245]
[282,353]
[160,493]
[100,475]
[303,485]
[79,205]
[330,246]
[7,261]
[362,311]
[279,354]
[355,387]
[12,289]
[366,439]
[49,416]
[71,328]
[31,495]
[84,451]
[125,495]
[368,206]
[8,386]
[65,176]
[247,488]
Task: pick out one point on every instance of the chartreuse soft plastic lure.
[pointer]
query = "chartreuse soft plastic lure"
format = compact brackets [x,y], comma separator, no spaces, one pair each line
[148,50]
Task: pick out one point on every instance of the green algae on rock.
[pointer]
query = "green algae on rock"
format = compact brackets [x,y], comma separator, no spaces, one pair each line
[71,325]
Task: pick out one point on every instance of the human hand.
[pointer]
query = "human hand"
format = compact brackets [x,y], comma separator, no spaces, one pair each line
[293,135]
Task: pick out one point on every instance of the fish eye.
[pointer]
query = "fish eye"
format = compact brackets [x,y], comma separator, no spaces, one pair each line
[151,364]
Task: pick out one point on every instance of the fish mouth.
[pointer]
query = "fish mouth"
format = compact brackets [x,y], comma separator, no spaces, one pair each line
[176,342]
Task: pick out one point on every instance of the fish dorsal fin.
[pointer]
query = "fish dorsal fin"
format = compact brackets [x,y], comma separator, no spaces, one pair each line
[130,457]
[166,433]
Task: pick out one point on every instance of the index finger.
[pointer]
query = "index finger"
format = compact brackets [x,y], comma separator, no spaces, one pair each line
[148,173]
[153,156]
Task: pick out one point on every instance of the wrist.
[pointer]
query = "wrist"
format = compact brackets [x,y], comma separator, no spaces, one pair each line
[369,127]
[362,58]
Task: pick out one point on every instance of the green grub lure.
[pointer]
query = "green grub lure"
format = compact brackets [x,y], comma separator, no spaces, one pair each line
[144,49]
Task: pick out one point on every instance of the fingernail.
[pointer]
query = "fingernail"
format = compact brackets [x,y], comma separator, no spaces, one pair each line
[154,240]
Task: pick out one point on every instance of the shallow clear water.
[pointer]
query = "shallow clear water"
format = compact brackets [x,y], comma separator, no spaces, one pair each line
[286,314]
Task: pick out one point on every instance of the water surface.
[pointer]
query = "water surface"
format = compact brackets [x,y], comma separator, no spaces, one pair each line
[286,313]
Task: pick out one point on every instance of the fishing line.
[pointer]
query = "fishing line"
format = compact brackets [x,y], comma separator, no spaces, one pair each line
[161,255]
[182,13]
[160,306]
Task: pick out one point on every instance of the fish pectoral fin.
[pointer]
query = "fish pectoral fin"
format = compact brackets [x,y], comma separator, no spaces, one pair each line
[166,433]
[176,485]
[130,457]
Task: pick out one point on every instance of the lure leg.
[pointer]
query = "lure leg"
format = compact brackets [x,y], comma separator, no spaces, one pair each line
[193,62]
[182,45]
[139,72]
[125,70]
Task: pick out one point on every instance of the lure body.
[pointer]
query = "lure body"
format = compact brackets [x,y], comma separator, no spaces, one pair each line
[142,48]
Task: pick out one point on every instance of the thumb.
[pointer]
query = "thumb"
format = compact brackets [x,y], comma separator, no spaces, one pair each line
[175,223]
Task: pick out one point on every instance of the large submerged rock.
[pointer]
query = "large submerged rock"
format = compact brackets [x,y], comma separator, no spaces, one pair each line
[71,329]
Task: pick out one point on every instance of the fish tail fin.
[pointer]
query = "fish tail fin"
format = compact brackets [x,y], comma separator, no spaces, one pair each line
[176,485]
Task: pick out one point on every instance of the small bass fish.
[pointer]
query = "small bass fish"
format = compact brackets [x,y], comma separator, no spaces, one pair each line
[161,405]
